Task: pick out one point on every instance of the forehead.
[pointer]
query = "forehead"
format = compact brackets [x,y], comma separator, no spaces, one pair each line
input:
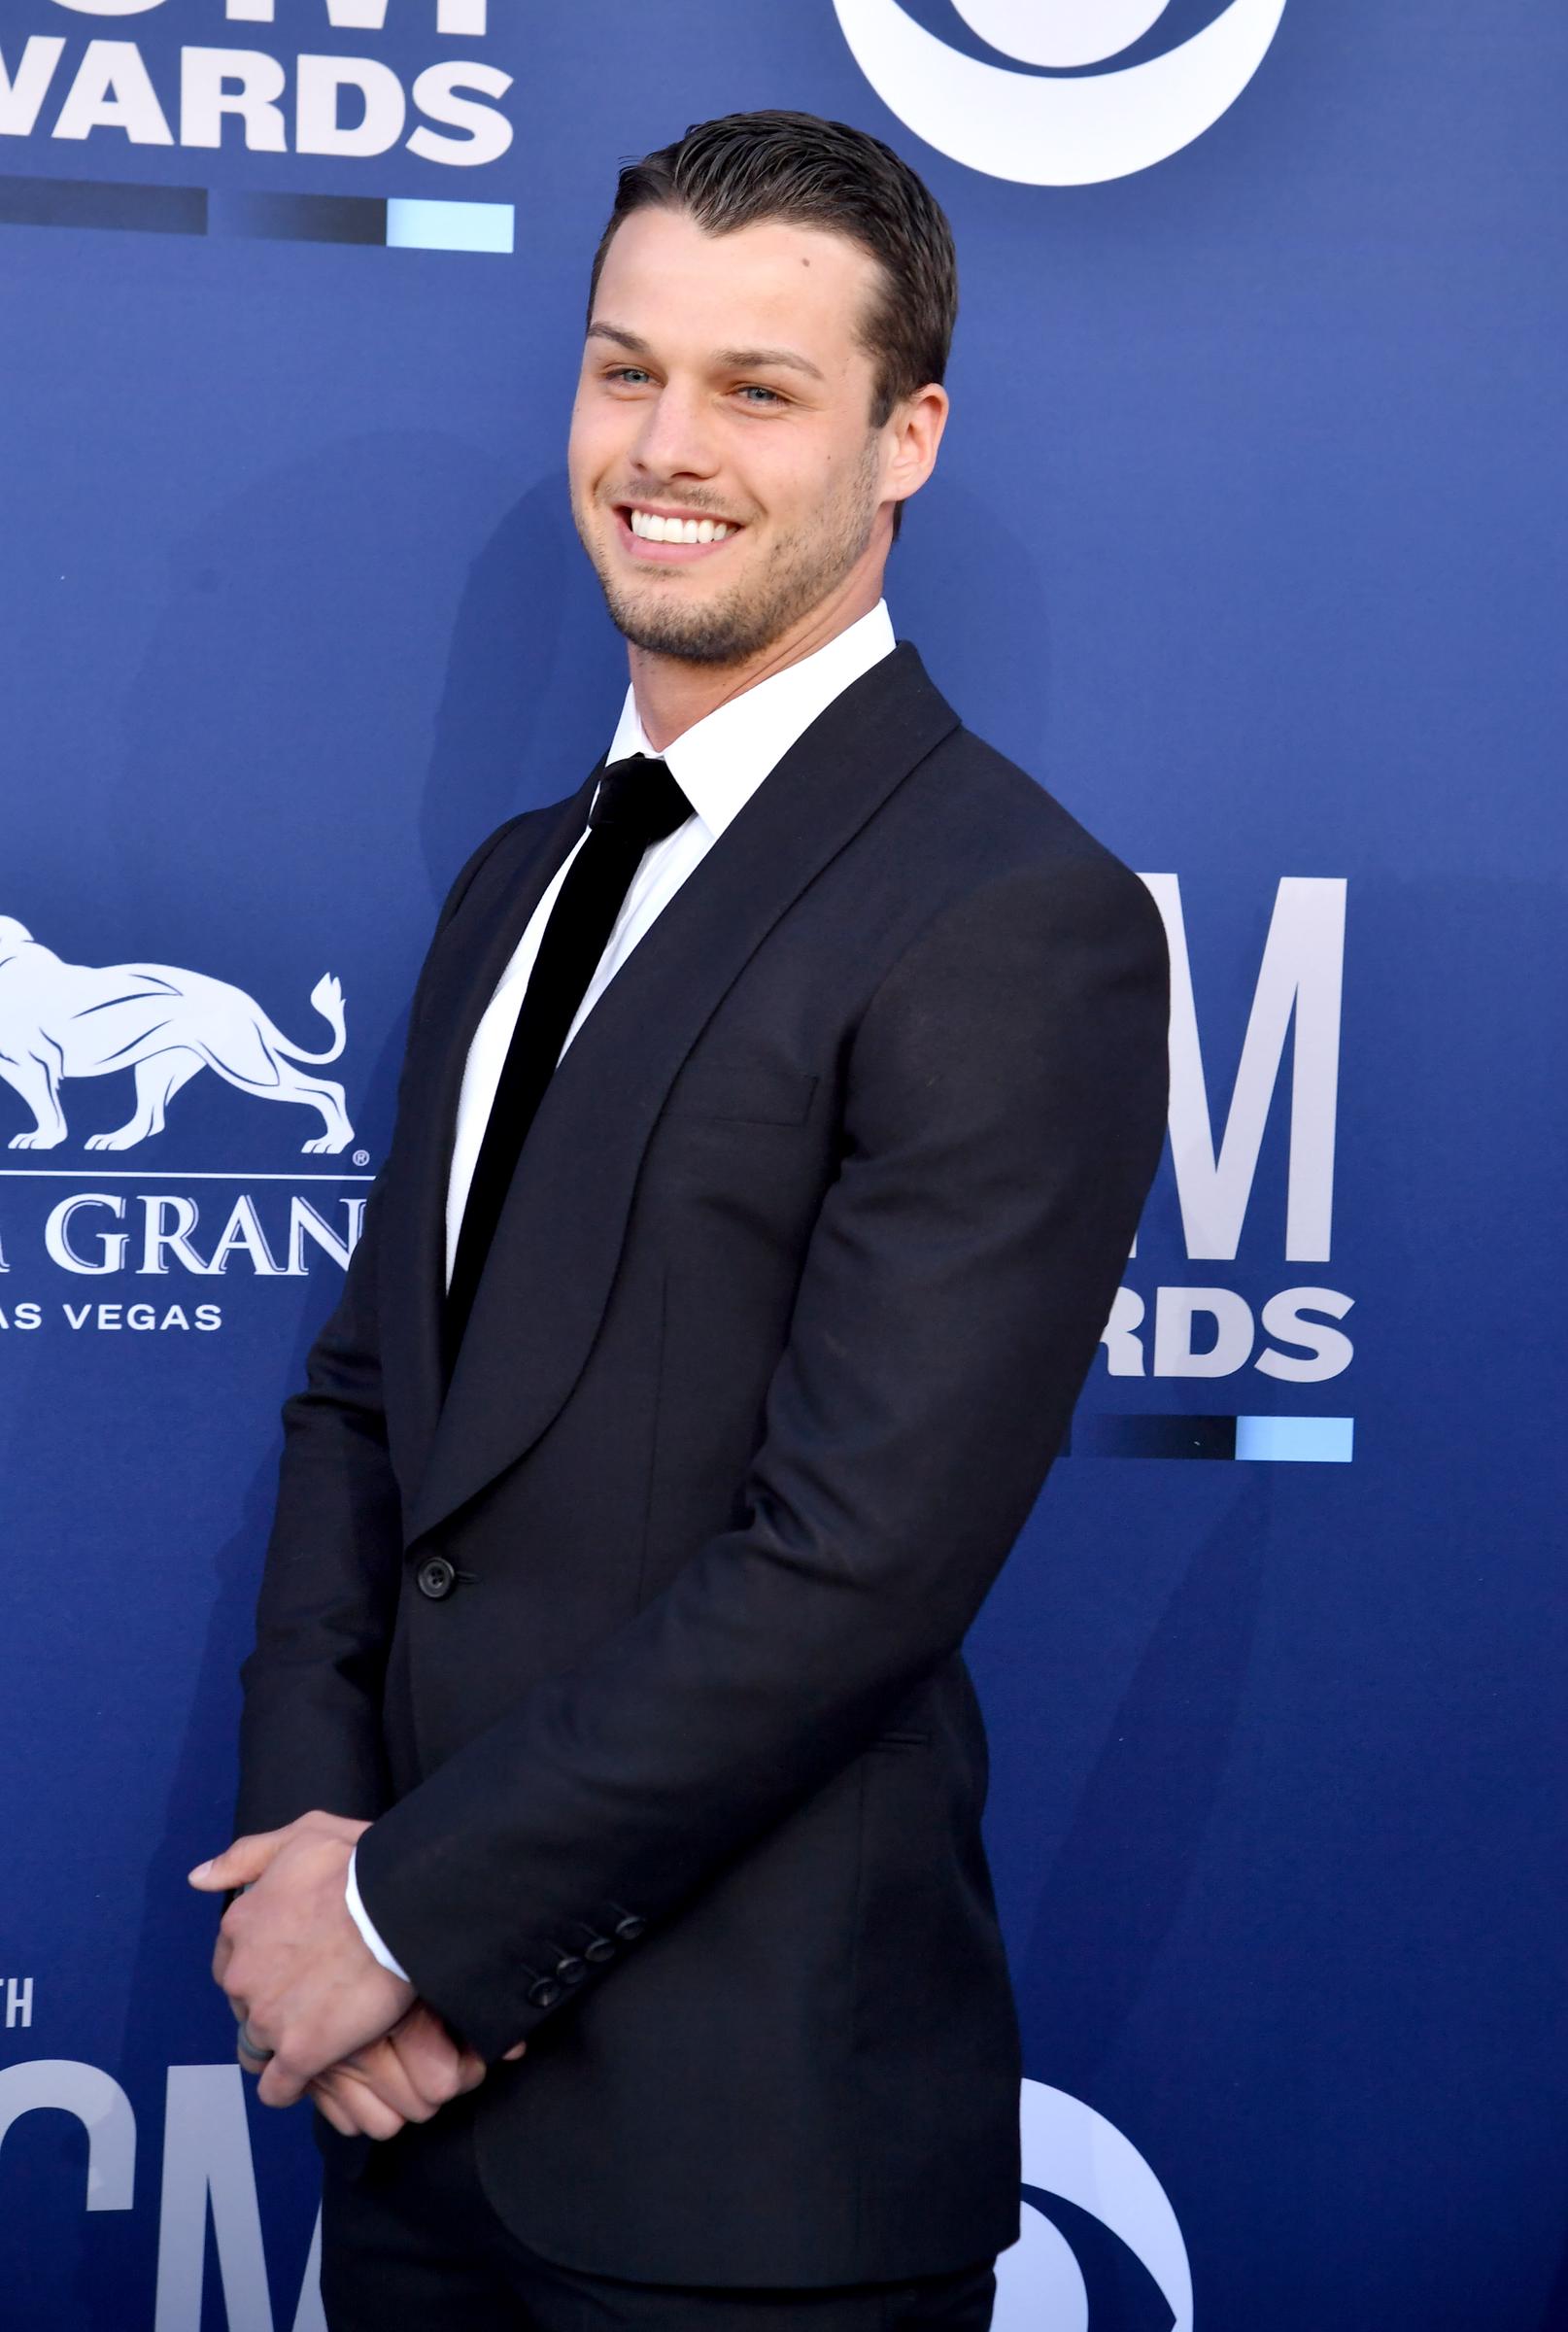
[677,286]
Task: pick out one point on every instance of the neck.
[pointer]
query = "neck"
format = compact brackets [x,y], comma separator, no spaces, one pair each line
[672,696]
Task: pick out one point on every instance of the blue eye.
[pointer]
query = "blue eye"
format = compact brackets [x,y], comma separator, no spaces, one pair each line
[755,389]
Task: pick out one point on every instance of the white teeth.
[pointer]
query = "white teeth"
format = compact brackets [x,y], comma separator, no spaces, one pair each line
[649,526]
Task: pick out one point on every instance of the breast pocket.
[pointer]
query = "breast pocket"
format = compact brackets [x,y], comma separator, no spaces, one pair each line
[750,1093]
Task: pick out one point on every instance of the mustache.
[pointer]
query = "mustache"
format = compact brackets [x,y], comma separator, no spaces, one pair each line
[644,495]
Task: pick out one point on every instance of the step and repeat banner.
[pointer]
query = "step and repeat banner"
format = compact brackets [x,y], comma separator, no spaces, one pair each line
[1247,541]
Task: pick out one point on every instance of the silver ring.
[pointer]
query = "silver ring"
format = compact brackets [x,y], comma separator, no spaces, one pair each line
[250,2047]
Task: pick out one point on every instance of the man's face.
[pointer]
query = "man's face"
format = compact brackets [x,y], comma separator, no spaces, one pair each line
[724,391]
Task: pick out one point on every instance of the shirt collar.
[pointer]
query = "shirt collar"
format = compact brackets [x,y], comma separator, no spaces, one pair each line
[721,759]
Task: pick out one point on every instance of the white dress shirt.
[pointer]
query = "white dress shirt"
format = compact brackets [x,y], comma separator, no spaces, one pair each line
[718,764]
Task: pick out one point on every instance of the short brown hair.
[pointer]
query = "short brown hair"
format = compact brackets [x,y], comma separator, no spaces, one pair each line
[749,168]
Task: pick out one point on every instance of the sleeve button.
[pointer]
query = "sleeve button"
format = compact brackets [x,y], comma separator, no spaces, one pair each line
[545,1993]
[630,1928]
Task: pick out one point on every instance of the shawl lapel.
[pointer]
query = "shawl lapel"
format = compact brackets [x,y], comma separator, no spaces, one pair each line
[465,967]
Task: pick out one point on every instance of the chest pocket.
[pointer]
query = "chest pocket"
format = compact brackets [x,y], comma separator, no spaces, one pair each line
[753,1092]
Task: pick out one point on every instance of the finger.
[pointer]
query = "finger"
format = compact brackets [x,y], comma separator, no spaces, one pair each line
[251,2052]
[512,2054]
[365,2112]
[320,2095]
[360,2099]
[440,2064]
[280,2086]
[239,1865]
[430,2059]
[381,2070]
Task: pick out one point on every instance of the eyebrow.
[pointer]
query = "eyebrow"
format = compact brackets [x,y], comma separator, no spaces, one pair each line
[752,360]
[731,359]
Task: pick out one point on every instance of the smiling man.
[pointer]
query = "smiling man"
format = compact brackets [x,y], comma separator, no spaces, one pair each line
[777,1117]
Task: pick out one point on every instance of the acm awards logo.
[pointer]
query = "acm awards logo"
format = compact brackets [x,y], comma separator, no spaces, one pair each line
[209,95]
[67,1030]
[1070,2153]
[1046,131]
[1217,1147]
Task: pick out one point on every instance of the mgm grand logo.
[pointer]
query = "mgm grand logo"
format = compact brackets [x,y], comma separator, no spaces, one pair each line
[60,1021]
[63,1025]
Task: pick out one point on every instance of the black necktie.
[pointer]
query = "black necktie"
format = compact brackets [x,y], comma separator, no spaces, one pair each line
[637,803]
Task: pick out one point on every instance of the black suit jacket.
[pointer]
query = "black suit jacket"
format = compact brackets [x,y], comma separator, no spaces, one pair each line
[809,1247]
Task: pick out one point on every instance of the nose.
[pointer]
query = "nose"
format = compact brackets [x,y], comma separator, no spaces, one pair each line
[676,439]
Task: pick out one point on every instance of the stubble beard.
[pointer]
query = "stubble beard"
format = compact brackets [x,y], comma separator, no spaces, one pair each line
[746,621]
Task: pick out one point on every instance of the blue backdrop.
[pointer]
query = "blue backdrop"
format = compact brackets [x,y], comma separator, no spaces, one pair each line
[1247,539]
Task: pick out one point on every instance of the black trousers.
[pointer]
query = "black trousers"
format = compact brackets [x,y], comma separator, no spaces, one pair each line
[410,2244]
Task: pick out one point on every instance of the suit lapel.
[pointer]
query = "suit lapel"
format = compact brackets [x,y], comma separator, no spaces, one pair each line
[553,1261]
[464,971]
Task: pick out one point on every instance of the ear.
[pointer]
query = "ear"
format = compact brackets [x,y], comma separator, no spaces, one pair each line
[915,428]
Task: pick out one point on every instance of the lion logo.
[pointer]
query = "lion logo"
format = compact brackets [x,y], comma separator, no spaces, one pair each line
[61,1020]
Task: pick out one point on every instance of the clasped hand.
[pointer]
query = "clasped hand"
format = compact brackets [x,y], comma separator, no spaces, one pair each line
[319,2015]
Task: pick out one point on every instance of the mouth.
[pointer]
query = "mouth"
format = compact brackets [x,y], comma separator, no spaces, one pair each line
[671,538]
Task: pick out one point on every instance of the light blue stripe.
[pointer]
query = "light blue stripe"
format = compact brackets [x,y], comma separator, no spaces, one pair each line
[450,226]
[1296,1440]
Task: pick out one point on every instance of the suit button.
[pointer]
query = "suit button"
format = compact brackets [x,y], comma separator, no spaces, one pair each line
[630,1928]
[599,1950]
[545,1993]
[571,1969]
[435,1577]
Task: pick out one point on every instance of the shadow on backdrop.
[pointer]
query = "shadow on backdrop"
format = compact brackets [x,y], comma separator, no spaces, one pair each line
[1119,1879]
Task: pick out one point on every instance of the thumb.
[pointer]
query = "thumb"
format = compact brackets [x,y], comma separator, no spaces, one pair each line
[239,1865]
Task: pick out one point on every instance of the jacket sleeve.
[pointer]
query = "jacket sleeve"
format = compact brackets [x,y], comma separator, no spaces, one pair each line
[1004,1111]
[310,1728]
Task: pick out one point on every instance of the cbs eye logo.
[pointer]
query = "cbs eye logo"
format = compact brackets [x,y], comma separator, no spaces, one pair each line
[1073,2153]
[1057,133]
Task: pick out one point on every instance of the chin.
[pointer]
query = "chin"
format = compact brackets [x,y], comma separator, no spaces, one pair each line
[677,623]
[691,637]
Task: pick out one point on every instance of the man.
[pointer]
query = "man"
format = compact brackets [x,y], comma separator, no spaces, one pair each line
[613,1776]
